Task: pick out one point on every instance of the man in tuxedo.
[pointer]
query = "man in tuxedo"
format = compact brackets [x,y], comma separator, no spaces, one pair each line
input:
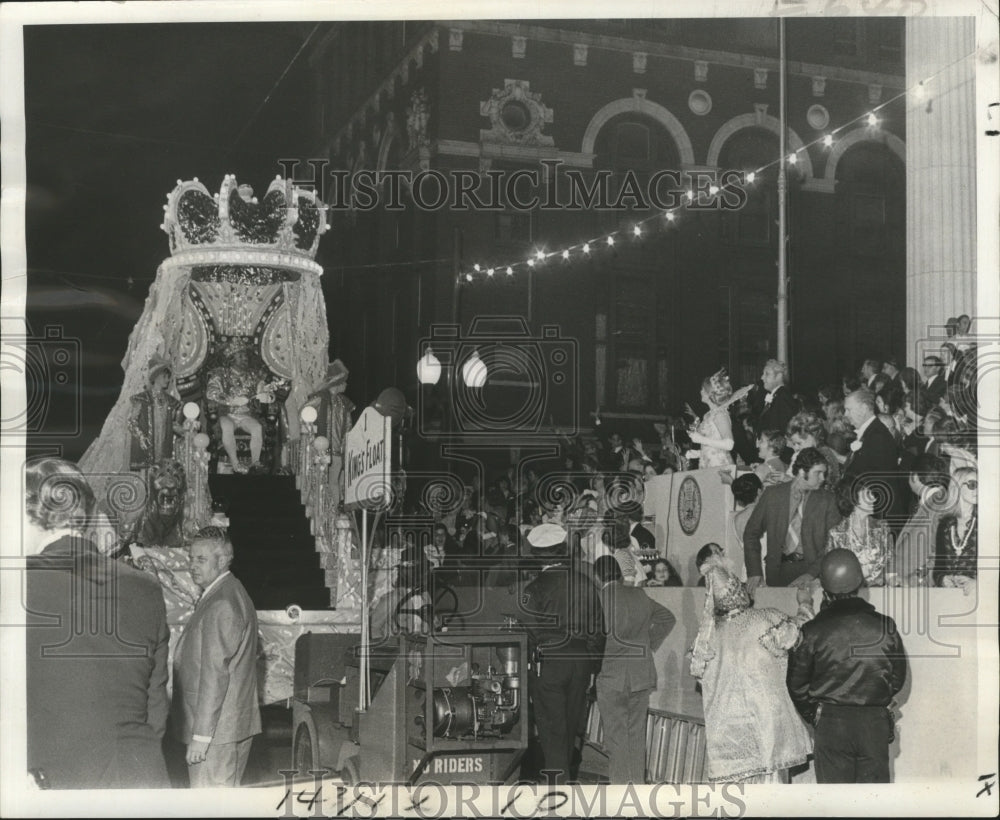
[796,517]
[215,675]
[949,358]
[891,369]
[779,404]
[869,372]
[874,455]
[619,453]
[934,386]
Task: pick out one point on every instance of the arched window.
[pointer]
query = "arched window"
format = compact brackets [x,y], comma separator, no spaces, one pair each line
[632,147]
[638,327]
[748,150]
[871,191]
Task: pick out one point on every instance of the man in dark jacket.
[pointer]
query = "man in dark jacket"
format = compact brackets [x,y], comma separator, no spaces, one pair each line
[636,627]
[778,403]
[844,673]
[874,459]
[562,615]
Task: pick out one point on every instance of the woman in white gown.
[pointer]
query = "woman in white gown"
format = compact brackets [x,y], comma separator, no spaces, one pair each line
[715,430]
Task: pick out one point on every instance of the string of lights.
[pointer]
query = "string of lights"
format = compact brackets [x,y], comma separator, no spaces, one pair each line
[483,272]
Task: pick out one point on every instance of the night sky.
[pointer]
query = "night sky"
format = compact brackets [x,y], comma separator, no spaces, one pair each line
[115,115]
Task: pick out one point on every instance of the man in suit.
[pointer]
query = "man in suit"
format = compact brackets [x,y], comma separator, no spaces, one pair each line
[869,372]
[619,453]
[796,517]
[636,626]
[633,512]
[95,647]
[934,386]
[215,677]
[874,456]
[779,404]
[891,369]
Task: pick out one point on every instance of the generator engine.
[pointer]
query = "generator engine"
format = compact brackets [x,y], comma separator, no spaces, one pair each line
[488,707]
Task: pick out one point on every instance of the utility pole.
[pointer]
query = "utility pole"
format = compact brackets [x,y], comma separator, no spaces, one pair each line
[782,204]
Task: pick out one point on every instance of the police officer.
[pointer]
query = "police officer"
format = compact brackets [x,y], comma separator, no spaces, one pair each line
[843,675]
[562,615]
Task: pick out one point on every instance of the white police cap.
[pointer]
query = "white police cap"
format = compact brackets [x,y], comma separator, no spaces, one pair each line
[546,535]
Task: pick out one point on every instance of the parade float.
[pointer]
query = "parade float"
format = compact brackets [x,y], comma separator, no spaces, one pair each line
[236,319]
[228,415]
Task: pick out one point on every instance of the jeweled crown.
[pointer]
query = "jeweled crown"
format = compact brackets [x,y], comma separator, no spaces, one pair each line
[233,227]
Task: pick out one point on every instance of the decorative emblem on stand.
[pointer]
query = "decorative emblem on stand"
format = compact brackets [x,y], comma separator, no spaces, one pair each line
[516,114]
[689,505]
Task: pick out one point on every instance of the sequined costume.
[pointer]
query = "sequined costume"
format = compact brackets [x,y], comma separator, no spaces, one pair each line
[741,656]
[712,456]
[872,549]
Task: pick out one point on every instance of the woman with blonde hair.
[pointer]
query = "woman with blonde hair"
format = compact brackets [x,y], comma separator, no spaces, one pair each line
[957,539]
[714,432]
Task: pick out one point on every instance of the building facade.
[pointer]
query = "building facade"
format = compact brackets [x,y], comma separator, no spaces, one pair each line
[652,315]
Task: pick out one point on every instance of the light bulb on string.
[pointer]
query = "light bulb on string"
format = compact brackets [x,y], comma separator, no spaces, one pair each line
[919,92]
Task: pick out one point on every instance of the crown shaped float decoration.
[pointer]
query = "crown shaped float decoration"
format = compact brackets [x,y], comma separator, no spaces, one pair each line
[233,228]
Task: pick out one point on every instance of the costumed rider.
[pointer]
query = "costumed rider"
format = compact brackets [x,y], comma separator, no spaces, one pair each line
[562,615]
[333,420]
[154,418]
[843,675]
[235,387]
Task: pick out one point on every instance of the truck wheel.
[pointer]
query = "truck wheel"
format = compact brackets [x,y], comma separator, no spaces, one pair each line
[302,750]
[349,774]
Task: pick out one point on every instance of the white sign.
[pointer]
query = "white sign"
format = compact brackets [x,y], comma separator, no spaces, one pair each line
[368,461]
